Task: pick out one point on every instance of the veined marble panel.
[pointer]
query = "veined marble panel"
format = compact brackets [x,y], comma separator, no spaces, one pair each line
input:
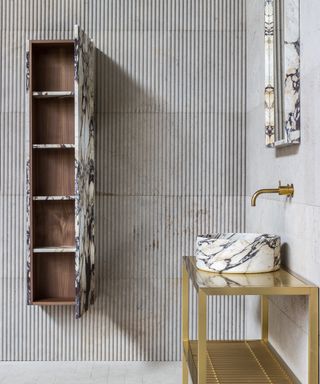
[289,119]
[238,253]
[269,76]
[84,60]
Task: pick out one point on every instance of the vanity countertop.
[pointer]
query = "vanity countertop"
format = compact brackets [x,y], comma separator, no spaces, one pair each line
[247,284]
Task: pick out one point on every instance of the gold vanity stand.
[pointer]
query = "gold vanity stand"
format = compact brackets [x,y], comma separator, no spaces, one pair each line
[244,361]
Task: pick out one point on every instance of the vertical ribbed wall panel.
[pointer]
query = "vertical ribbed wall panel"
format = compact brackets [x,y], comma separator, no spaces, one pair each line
[170,165]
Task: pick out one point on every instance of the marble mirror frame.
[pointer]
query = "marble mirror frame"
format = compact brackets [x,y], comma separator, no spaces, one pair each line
[287,131]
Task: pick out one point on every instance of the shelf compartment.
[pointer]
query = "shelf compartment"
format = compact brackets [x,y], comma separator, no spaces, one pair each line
[54,278]
[53,172]
[53,121]
[53,146]
[251,361]
[53,66]
[54,198]
[53,224]
[50,94]
[64,249]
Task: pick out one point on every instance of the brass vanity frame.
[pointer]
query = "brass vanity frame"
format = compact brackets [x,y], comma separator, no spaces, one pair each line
[196,354]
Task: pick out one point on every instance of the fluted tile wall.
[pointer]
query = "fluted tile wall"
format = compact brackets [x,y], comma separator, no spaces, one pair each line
[170,165]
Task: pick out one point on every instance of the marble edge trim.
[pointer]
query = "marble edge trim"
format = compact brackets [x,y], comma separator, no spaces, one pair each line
[292,72]
[52,198]
[76,52]
[269,93]
[40,146]
[27,175]
[48,94]
[54,250]
[28,232]
[291,81]
[76,154]
[27,67]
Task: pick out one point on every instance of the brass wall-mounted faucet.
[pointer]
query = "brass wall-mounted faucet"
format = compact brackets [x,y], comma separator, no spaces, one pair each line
[287,190]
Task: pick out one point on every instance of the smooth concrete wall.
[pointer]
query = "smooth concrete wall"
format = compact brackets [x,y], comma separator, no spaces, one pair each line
[297,221]
[170,165]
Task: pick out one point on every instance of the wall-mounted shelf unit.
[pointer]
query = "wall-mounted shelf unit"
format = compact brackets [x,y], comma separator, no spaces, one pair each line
[60,172]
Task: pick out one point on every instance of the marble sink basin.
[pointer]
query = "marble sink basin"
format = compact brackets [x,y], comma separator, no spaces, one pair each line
[238,252]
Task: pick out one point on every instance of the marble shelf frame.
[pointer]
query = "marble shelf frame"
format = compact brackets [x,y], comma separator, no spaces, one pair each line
[285,129]
[80,256]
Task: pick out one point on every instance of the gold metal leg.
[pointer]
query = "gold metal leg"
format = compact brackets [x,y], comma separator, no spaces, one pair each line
[185,323]
[313,337]
[264,317]
[202,337]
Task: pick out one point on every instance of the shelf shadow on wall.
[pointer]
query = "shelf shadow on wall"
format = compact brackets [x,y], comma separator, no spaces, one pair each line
[126,291]
[287,151]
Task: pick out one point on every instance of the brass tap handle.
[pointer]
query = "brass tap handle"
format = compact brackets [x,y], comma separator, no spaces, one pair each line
[287,190]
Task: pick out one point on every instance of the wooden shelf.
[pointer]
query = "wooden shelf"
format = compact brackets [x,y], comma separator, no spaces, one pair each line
[55,301]
[53,146]
[54,198]
[49,94]
[63,249]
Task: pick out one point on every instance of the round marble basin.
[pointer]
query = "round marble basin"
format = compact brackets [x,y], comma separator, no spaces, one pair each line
[238,252]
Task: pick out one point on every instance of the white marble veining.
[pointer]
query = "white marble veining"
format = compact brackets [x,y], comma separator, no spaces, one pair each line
[269,73]
[47,94]
[52,146]
[84,75]
[238,252]
[65,249]
[57,197]
[289,119]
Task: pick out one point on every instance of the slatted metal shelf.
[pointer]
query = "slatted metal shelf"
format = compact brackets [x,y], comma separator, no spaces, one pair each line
[240,362]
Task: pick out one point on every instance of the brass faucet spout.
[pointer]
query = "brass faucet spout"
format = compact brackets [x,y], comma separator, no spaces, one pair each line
[287,190]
